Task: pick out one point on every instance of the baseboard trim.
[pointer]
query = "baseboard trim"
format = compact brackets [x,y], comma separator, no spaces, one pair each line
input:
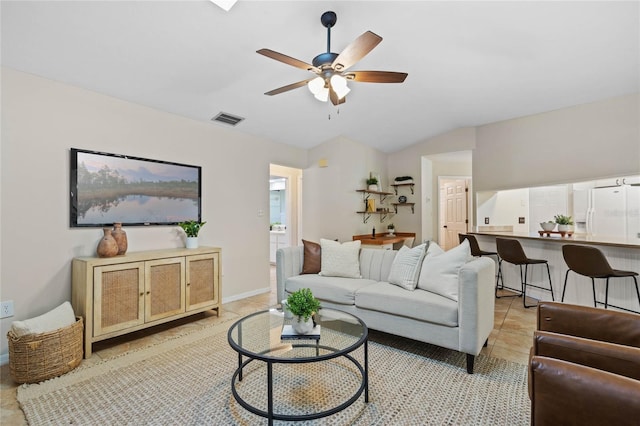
[245,295]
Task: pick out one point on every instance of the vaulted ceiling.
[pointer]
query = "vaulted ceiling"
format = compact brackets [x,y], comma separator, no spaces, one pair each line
[469,63]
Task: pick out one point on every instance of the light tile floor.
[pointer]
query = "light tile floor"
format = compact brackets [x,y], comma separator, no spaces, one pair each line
[510,339]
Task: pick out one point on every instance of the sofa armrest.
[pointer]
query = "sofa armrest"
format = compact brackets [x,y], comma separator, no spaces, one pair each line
[590,323]
[476,290]
[289,261]
[567,393]
[617,359]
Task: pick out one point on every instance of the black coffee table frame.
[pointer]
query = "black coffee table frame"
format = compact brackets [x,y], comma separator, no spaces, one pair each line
[270,360]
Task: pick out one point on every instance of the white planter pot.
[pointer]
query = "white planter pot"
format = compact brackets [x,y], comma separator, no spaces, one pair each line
[192,242]
[373,187]
[301,326]
[564,228]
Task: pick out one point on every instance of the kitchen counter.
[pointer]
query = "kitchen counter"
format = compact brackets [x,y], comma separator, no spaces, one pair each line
[574,239]
[621,254]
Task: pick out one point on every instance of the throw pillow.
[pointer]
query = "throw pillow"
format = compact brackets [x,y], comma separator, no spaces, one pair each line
[439,273]
[311,257]
[406,266]
[62,316]
[340,260]
[434,249]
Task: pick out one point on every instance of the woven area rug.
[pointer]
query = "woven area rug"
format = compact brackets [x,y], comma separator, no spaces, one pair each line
[187,381]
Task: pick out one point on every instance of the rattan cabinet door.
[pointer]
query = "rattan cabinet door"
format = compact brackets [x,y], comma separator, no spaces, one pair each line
[202,280]
[164,288]
[118,297]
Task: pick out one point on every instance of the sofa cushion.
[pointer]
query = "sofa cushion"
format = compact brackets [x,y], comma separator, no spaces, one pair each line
[311,257]
[439,274]
[332,289]
[419,304]
[340,260]
[375,264]
[406,266]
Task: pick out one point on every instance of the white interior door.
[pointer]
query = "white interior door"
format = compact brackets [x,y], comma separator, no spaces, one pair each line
[454,204]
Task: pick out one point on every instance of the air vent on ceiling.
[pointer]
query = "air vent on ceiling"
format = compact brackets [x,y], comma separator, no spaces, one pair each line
[225,118]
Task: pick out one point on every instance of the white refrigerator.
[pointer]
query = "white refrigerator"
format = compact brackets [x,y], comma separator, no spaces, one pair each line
[615,212]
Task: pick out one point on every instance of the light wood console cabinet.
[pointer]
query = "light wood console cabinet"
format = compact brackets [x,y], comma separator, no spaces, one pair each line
[122,294]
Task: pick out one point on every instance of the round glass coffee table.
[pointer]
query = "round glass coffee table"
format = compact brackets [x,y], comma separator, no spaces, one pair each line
[258,337]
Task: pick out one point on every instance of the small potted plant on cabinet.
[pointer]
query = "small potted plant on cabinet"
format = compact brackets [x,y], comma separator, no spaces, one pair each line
[302,306]
[191,228]
[564,222]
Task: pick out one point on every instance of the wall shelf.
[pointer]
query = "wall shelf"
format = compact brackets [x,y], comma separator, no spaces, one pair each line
[396,185]
[367,215]
[366,194]
[395,206]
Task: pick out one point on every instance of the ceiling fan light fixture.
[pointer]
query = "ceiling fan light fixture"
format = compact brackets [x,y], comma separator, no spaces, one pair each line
[316,85]
[339,85]
[323,94]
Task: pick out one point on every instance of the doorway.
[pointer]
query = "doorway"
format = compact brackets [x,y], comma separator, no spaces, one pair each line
[453,209]
[285,207]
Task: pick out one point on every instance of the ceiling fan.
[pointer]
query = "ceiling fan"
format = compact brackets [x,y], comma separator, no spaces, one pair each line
[331,68]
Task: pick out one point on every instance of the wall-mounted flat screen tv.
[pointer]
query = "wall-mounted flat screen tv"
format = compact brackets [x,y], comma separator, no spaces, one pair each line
[109,188]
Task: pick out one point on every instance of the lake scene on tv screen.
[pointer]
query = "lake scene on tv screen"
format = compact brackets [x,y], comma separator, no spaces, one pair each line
[114,189]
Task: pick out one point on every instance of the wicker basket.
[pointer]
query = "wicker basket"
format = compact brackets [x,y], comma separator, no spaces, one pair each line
[38,357]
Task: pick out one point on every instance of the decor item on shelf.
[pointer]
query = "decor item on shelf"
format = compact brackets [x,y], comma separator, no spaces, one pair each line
[191,228]
[120,236]
[302,305]
[371,205]
[403,179]
[372,183]
[402,199]
[107,247]
[391,228]
[548,226]
[564,222]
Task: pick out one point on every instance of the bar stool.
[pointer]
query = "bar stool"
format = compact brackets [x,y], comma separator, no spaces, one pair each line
[511,251]
[591,262]
[476,252]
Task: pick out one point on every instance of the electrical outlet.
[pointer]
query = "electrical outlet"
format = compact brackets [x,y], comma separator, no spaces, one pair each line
[6,309]
[520,220]
[486,220]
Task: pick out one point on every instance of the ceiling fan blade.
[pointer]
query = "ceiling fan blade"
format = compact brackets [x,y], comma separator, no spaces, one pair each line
[334,97]
[376,76]
[288,87]
[356,50]
[287,60]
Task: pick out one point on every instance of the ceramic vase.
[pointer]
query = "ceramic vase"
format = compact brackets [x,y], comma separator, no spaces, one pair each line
[564,228]
[373,187]
[192,242]
[120,236]
[301,326]
[107,247]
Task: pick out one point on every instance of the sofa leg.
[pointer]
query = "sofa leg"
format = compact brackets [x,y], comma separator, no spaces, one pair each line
[470,359]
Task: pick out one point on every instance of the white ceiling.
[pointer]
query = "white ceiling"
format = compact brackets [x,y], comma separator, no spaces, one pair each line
[469,63]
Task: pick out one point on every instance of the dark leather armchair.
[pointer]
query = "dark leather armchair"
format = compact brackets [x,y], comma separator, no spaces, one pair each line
[585,366]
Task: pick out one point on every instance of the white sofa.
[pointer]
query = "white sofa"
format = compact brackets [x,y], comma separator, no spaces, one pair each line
[463,325]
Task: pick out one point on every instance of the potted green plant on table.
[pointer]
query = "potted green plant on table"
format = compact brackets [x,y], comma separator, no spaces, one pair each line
[302,305]
[191,228]
[564,222]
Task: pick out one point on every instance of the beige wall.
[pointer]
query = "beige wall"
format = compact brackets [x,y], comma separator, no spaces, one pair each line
[410,162]
[599,139]
[330,200]
[42,119]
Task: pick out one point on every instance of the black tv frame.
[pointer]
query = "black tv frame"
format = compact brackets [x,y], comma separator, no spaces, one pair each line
[116,184]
